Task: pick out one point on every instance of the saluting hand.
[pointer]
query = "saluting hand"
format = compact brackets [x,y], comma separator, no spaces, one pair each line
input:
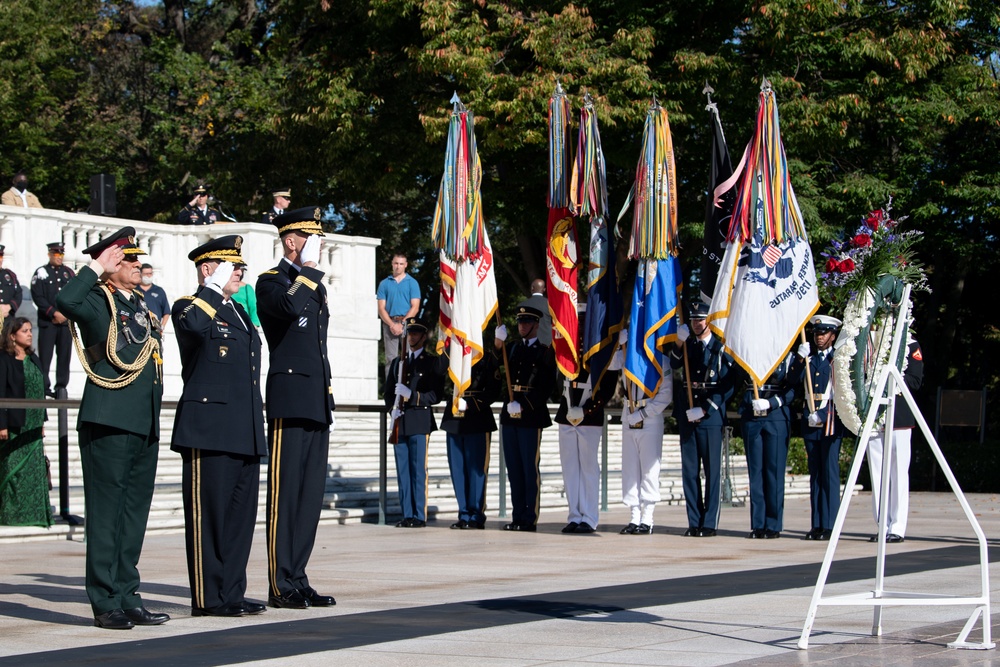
[109,261]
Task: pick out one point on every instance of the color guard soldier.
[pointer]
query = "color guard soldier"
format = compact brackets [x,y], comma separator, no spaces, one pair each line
[53,328]
[701,423]
[414,383]
[293,311]
[219,431]
[766,422]
[282,200]
[197,211]
[532,377]
[469,431]
[119,423]
[10,291]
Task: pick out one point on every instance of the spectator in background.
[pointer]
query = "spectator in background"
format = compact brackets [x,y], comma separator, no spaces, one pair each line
[53,327]
[282,199]
[539,302]
[10,290]
[155,296]
[398,299]
[197,211]
[18,195]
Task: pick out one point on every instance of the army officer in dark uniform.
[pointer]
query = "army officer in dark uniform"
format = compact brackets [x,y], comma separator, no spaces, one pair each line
[532,377]
[118,423]
[282,200]
[219,431]
[469,430]
[292,306]
[197,211]
[53,328]
[10,291]
[414,382]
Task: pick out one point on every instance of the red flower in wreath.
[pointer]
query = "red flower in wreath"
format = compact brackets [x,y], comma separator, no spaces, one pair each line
[831,265]
[861,241]
[874,219]
[846,266]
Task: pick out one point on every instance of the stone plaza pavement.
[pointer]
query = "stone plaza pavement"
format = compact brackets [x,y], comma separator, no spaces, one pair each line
[436,596]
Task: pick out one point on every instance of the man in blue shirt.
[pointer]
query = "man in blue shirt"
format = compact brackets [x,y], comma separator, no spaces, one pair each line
[398,299]
[154,296]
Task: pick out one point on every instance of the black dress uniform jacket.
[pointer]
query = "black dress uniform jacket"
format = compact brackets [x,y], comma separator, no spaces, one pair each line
[711,379]
[425,378]
[533,376]
[220,408]
[46,283]
[292,308]
[483,390]
[192,215]
[10,290]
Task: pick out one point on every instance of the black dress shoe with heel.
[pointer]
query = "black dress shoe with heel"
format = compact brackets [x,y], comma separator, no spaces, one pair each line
[290,600]
[706,532]
[644,529]
[629,529]
[461,524]
[113,620]
[692,532]
[142,616]
[570,527]
[229,610]
[252,608]
[585,528]
[317,600]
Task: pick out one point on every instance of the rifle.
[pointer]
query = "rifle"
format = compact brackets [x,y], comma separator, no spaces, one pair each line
[393,421]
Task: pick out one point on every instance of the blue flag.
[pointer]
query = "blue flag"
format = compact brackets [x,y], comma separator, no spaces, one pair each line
[603,319]
[653,324]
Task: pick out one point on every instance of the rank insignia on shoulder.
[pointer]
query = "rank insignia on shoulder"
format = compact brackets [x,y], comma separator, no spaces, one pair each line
[272,272]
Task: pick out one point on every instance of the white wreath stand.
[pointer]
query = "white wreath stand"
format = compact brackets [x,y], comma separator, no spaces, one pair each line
[889,378]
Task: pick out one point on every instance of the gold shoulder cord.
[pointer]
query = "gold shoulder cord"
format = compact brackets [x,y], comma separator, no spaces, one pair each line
[129,371]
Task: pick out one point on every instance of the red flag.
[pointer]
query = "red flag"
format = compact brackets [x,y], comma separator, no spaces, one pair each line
[562,262]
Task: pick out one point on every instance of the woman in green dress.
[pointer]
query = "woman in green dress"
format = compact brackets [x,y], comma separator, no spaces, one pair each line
[24,483]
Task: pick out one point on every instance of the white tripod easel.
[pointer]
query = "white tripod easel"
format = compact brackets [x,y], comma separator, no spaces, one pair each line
[887,382]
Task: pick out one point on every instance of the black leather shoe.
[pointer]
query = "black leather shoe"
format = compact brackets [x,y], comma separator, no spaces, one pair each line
[692,532]
[706,532]
[417,523]
[317,600]
[404,523]
[813,534]
[644,529]
[825,536]
[461,524]
[772,534]
[893,538]
[290,600]
[629,529]
[113,620]
[252,608]
[585,527]
[527,527]
[511,526]
[570,527]
[142,616]
[228,610]
[478,525]
[756,534]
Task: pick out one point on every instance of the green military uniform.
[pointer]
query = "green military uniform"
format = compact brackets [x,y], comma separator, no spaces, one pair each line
[118,427]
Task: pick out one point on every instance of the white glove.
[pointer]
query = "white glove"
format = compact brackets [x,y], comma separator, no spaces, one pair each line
[333,423]
[803,350]
[695,414]
[574,415]
[617,361]
[814,420]
[310,251]
[501,333]
[683,332]
[220,277]
[761,405]
[623,337]
[462,405]
[396,413]
[403,391]
[634,418]
[513,408]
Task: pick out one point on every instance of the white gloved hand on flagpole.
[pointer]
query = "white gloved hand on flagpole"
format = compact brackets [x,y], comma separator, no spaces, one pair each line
[761,405]
[814,419]
[803,350]
[501,333]
[623,337]
[513,408]
[683,333]
[695,414]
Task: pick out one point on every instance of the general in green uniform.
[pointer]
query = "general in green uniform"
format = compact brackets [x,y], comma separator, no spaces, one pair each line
[119,347]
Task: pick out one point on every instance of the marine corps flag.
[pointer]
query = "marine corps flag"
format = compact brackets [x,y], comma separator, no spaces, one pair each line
[766,290]
[561,253]
[468,296]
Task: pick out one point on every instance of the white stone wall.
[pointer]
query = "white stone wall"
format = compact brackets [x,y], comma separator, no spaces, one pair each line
[348,261]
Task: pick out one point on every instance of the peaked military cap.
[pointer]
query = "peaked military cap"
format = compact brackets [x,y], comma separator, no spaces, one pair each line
[124,238]
[415,324]
[824,323]
[200,190]
[56,246]
[223,249]
[528,314]
[282,192]
[305,220]
[698,311]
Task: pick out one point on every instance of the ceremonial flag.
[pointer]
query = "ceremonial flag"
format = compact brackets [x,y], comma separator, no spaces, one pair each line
[589,196]
[561,253]
[766,289]
[468,297]
[718,207]
[653,322]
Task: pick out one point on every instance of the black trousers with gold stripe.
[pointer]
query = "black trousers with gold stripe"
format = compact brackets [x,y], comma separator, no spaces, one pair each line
[220,510]
[296,483]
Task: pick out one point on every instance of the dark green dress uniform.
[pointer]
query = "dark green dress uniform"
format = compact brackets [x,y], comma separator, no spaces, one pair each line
[292,307]
[219,432]
[118,426]
[52,338]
